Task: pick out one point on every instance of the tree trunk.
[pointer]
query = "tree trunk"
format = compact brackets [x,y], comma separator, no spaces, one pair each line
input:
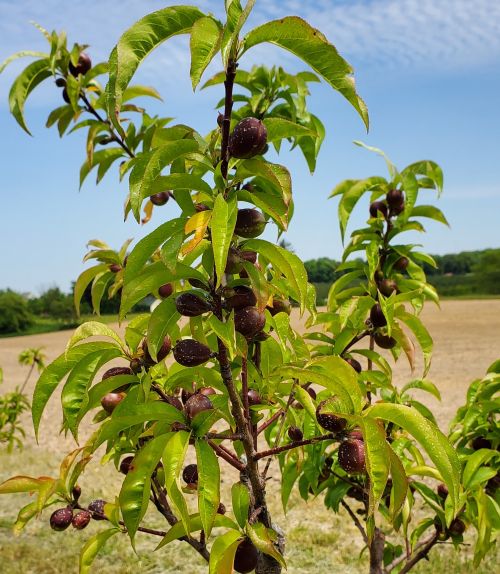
[377,552]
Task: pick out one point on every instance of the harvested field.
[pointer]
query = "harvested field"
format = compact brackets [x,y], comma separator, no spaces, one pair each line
[467,340]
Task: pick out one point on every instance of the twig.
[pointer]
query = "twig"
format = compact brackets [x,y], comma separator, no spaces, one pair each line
[425,544]
[280,449]
[356,520]
[270,421]
[226,455]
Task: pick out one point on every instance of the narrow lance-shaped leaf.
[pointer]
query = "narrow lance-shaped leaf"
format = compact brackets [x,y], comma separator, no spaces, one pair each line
[261,537]
[173,459]
[437,446]
[223,551]
[204,44]
[208,484]
[222,228]
[241,503]
[93,329]
[134,494]
[297,36]
[22,87]
[91,548]
[136,43]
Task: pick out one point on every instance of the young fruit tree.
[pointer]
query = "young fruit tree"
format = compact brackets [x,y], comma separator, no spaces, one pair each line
[212,373]
[393,487]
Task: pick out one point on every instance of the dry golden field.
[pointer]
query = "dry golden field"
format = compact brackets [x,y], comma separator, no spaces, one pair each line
[467,340]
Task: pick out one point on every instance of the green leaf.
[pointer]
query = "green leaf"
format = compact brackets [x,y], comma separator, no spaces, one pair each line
[140,254]
[222,228]
[236,17]
[82,283]
[21,54]
[390,166]
[277,174]
[261,537]
[225,332]
[173,460]
[148,166]
[140,91]
[55,372]
[23,85]
[223,551]
[421,333]
[399,483]
[136,43]
[74,395]
[152,277]
[135,415]
[423,385]
[474,462]
[208,484]
[205,41]
[428,169]
[241,503]
[286,263]
[136,488]
[103,158]
[279,128]
[178,531]
[162,322]
[93,329]
[91,548]
[440,451]
[297,36]
[18,484]
[351,191]
[429,211]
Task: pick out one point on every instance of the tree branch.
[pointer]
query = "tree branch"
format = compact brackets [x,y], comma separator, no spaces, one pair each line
[356,520]
[279,449]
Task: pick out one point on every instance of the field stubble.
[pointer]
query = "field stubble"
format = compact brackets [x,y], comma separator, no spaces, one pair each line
[467,340]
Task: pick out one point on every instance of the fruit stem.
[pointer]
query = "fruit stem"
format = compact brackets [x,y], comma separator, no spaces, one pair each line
[226,121]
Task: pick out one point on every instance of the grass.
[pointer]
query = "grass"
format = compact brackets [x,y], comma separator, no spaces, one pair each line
[51,325]
[317,540]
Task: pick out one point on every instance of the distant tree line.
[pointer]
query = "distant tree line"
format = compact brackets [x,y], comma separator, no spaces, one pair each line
[464,273]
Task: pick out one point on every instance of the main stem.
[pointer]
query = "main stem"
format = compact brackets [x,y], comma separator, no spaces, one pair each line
[239,407]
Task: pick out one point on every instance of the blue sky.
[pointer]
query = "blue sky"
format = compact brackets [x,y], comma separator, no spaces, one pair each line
[429,71]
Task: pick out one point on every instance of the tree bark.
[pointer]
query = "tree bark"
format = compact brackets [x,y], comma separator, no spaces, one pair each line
[377,552]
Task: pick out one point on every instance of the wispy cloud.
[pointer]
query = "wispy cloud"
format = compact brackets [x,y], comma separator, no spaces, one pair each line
[381,35]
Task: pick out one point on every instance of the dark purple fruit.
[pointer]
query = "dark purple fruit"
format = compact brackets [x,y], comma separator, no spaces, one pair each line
[396,201]
[249,321]
[249,223]
[311,392]
[243,297]
[159,198]
[166,290]
[245,558]
[76,492]
[163,351]
[97,509]
[384,341]
[61,82]
[175,402]
[377,316]
[387,287]
[82,67]
[185,394]
[115,267]
[493,485]
[457,527]
[197,404]
[329,421]
[249,138]
[356,365]
[352,456]
[250,256]
[61,519]
[65,96]
[234,262]
[190,474]
[401,264]
[126,464]
[442,490]
[254,398]
[295,434]
[136,365]
[191,353]
[221,509]
[191,305]
[480,442]
[110,401]
[355,434]
[378,207]
[81,520]
[116,371]
[280,306]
